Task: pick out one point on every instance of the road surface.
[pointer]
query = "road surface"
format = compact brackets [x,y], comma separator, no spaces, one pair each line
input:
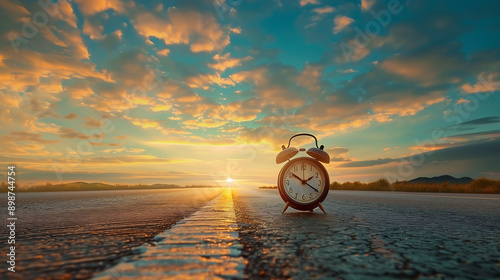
[372,235]
[241,234]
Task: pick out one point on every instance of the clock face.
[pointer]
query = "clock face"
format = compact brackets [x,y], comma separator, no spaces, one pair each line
[303,181]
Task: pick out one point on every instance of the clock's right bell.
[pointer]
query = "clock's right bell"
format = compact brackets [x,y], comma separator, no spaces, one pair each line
[319,154]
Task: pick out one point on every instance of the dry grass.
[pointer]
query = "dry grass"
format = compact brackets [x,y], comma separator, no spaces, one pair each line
[481,185]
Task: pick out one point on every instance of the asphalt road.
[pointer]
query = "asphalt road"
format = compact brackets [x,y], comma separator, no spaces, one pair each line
[243,234]
[74,235]
[371,235]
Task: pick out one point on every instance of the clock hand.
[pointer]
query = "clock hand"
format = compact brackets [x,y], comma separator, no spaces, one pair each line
[310,178]
[312,187]
[296,176]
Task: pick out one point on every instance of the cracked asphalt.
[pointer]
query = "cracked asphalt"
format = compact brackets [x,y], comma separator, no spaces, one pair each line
[364,235]
[371,235]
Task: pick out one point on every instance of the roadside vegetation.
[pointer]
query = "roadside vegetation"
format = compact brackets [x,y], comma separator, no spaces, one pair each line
[481,185]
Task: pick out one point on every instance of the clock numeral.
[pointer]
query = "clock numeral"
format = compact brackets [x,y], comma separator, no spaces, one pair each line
[290,175]
[319,182]
[296,195]
[290,190]
[287,182]
[311,167]
[296,168]
[317,175]
[304,197]
[311,195]
[303,166]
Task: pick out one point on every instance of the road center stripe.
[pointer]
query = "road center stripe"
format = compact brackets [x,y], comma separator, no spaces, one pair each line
[204,245]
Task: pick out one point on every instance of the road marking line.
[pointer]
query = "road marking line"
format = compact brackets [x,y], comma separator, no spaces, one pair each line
[204,245]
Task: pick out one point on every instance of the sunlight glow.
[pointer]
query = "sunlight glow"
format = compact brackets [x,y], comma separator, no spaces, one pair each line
[229,180]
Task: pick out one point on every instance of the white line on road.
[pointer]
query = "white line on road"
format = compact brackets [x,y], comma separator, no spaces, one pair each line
[202,246]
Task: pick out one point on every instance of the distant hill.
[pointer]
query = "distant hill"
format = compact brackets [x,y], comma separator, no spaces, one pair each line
[442,179]
[84,186]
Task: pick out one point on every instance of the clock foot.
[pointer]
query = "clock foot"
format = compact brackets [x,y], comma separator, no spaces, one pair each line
[284,209]
[321,207]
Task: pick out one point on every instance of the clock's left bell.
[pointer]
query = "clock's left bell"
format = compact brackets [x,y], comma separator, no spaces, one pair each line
[286,154]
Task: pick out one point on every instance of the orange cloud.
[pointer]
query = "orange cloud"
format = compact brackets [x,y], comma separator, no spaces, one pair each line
[486,83]
[202,32]
[367,4]
[20,136]
[224,62]
[163,52]
[341,22]
[93,122]
[93,29]
[91,7]
[305,2]
[324,10]
[207,123]
[272,135]
[243,111]
[205,80]
[10,101]
[310,77]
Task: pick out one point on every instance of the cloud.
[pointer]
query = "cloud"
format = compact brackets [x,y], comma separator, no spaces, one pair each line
[324,10]
[146,123]
[71,116]
[486,83]
[272,135]
[91,7]
[93,28]
[274,83]
[163,52]
[367,4]
[104,144]
[338,154]
[206,80]
[78,88]
[341,22]
[310,77]
[367,163]
[306,2]
[207,123]
[92,122]
[201,31]
[70,133]
[350,70]
[472,158]
[23,136]
[224,62]
[126,150]
[482,121]
[10,101]
[242,111]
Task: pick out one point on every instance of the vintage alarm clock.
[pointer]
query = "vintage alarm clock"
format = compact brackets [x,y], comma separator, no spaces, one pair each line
[303,182]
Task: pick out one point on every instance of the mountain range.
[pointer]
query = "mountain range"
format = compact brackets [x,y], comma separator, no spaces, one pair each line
[441,179]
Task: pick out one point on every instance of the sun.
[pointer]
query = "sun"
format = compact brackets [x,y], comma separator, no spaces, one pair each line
[229,180]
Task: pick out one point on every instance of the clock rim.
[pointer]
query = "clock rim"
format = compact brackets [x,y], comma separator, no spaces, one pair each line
[293,203]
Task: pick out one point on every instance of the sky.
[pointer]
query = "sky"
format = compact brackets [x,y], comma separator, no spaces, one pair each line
[194,92]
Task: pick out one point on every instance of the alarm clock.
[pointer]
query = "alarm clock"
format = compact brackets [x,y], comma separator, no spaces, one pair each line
[303,182]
